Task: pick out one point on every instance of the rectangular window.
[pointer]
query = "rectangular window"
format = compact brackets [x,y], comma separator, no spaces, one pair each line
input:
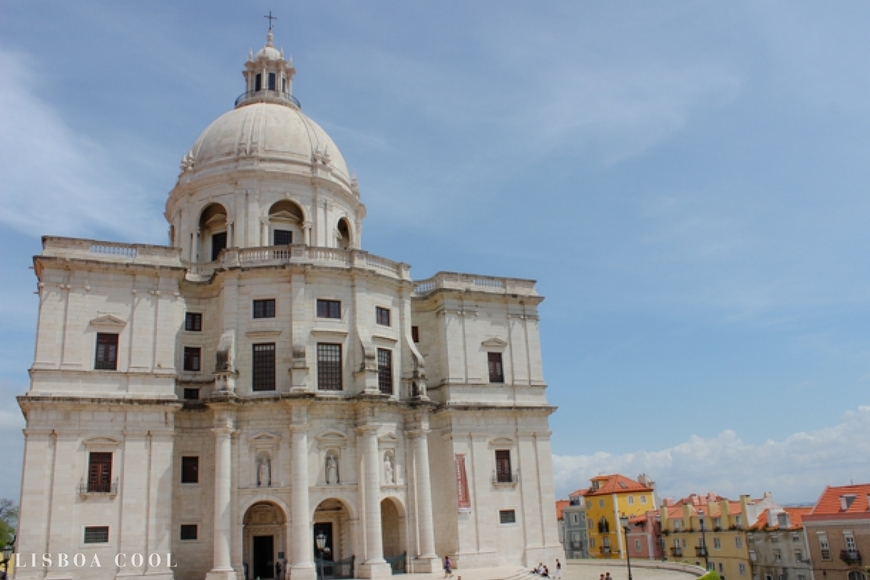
[496,371]
[717,544]
[382,316]
[190,470]
[97,535]
[738,541]
[631,500]
[218,244]
[272,81]
[282,237]
[328,366]
[777,556]
[329,309]
[742,567]
[100,472]
[507,517]
[188,532]
[592,543]
[643,499]
[193,321]
[798,555]
[637,545]
[263,374]
[192,356]
[107,352]
[600,503]
[503,473]
[264,308]
[385,371]
[415,333]
[191,394]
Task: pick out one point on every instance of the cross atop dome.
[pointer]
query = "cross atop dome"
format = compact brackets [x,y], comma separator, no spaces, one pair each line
[271,18]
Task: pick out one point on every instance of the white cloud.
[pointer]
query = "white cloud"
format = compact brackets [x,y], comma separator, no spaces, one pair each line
[796,469]
[54,180]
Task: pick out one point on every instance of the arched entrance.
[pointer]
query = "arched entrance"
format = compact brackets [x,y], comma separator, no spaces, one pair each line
[332,518]
[394,534]
[213,233]
[265,535]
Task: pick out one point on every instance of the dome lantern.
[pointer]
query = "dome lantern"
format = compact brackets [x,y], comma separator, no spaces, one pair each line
[268,77]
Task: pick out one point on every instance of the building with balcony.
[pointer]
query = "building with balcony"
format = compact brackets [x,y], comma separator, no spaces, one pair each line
[261,393]
[606,499]
[838,532]
[645,540]
[778,548]
[711,531]
[575,536]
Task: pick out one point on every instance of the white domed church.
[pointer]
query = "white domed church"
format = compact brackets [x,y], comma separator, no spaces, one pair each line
[262,398]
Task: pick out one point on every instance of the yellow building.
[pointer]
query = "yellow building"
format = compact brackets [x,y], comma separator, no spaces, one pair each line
[721,542]
[608,498]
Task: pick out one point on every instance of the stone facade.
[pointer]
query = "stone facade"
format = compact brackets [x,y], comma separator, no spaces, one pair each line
[263,381]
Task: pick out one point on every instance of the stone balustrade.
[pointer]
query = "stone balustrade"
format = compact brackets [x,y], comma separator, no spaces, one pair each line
[476,283]
[82,249]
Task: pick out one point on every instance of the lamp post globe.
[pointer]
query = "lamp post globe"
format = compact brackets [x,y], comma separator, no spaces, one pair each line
[320,540]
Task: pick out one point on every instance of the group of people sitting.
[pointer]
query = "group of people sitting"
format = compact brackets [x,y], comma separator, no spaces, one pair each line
[544,572]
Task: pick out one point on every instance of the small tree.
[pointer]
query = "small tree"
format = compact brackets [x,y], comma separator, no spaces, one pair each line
[8,520]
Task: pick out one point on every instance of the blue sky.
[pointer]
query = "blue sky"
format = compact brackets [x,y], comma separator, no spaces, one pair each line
[687,181]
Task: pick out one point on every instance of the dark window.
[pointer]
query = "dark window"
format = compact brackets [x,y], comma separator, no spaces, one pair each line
[415,333]
[264,308]
[385,371]
[190,470]
[507,517]
[496,370]
[258,82]
[329,367]
[218,243]
[107,352]
[192,357]
[97,535]
[382,316]
[271,81]
[503,472]
[191,394]
[264,367]
[188,532]
[193,321]
[100,472]
[282,237]
[329,309]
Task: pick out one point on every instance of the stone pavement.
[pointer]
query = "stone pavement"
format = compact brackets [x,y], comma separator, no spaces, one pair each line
[573,570]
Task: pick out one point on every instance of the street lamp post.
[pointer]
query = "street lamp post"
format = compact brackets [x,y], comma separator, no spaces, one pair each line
[703,540]
[623,519]
[7,555]
[321,546]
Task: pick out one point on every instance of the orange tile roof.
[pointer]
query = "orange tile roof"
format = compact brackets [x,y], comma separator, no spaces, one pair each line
[615,483]
[829,503]
[796,515]
[560,504]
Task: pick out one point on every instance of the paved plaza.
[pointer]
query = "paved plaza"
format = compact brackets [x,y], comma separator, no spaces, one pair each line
[573,570]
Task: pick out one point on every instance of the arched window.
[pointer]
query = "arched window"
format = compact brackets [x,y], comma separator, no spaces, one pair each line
[343,239]
[213,231]
[285,223]
[856,575]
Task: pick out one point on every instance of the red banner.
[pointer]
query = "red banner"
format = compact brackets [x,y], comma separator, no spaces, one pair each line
[462,483]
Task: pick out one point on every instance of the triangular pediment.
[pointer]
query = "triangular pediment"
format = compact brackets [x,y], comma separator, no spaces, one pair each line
[264,437]
[109,321]
[494,343]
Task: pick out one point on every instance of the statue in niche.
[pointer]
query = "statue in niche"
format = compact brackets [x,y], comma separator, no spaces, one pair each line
[264,473]
[331,469]
[389,470]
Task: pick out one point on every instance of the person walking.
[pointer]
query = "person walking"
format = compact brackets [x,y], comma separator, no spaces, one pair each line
[448,567]
[558,569]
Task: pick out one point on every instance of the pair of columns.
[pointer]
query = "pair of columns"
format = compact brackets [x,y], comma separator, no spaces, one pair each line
[302,563]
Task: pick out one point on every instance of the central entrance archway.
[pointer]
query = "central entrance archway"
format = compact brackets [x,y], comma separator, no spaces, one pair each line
[332,518]
[264,536]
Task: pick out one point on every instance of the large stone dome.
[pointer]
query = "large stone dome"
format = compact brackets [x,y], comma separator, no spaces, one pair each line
[279,136]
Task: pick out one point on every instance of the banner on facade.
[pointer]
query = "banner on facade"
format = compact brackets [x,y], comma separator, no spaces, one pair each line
[462,484]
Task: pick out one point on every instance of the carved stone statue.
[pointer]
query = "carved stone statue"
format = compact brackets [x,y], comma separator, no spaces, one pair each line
[264,473]
[389,470]
[331,469]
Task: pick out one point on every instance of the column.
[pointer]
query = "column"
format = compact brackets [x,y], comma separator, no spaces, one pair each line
[302,562]
[424,496]
[221,568]
[374,566]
